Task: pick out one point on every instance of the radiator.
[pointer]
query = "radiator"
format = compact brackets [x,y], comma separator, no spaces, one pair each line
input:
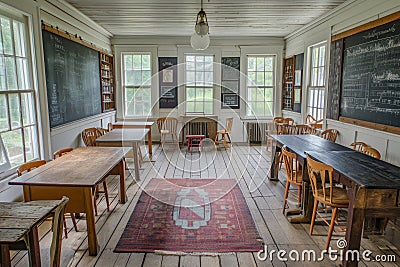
[256,132]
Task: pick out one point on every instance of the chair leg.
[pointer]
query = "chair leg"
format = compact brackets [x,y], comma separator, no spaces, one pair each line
[285,196]
[65,227]
[223,137]
[331,227]
[95,197]
[74,221]
[229,137]
[106,194]
[216,139]
[140,156]
[314,214]
[299,194]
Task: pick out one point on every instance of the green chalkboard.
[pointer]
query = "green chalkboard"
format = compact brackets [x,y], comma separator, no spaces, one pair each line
[72,79]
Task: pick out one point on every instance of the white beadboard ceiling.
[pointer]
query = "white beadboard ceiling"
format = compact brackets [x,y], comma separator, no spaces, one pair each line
[274,18]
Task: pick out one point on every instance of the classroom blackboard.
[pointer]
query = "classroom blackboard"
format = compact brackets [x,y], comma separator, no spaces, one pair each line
[370,86]
[72,79]
[168,81]
[230,82]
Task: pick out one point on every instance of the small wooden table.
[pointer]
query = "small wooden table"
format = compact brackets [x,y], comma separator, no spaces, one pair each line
[125,137]
[20,219]
[194,141]
[137,125]
[373,187]
[76,176]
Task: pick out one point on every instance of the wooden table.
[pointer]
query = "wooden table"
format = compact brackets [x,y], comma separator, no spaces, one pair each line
[299,144]
[19,220]
[125,137]
[373,186]
[76,176]
[137,125]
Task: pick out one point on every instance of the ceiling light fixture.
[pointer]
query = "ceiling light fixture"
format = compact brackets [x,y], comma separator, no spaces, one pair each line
[200,38]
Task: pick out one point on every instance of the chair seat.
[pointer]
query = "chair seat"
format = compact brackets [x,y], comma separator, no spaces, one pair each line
[340,196]
[165,131]
[299,178]
[222,132]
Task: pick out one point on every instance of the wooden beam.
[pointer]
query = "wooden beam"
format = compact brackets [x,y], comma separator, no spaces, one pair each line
[367,26]
[372,125]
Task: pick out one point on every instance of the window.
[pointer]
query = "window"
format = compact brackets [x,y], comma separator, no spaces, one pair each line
[199,84]
[260,85]
[137,84]
[316,89]
[18,123]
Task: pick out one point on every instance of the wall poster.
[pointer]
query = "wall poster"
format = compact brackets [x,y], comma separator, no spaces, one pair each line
[230,82]
[168,80]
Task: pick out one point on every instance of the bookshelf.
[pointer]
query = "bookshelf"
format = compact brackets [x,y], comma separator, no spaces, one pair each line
[288,83]
[107,82]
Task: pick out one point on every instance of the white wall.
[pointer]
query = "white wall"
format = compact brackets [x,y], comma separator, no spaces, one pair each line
[351,14]
[219,47]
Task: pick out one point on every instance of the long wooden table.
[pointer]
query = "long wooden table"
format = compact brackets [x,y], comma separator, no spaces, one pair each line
[76,175]
[373,187]
[18,221]
[137,125]
[299,144]
[125,137]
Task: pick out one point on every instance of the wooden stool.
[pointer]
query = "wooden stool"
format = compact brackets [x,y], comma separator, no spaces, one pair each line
[195,141]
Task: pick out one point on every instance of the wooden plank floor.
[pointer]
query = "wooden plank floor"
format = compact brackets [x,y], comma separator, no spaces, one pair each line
[249,165]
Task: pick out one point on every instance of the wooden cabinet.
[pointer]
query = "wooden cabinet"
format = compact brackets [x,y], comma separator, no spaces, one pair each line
[288,83]
[107,82]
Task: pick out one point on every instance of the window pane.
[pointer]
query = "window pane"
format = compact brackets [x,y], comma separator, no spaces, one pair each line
[137,78]
[260,78]
[14,110]
[208,78]
[208,93]
[199,94]
[251,64]
[200,66]
[199,107]
[269,79]
[190,77]
[19,39]
[3,113]
[146,77]
[2,74]
[260,64]
[259,108]
[268,94]
[321,100]
[252,94]
[208,107]
[321,79]
[129,77]
[27,109]
[190,65]
[146,62]
[190,93]
[251,78]
[189,106]
[11,75]
[137,62]
[321,61]
[269,64]
[31,142]
[6,32]
[22,70]
[268,107]
[128,62]
[260,94]
[14,146]
[190,58]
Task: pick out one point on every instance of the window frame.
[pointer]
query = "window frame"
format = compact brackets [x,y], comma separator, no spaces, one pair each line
[124,87]
[273,87]
[196,88]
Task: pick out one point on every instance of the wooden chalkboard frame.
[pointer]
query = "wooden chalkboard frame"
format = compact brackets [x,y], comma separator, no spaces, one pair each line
[334,110]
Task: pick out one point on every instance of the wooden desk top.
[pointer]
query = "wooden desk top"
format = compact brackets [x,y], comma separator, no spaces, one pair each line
[133,123]
[82,167]
[17,218]
[123,135]
[362,169]
[300,143]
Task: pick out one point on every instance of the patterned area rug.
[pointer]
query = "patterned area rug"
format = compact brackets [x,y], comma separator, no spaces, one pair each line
[192,216]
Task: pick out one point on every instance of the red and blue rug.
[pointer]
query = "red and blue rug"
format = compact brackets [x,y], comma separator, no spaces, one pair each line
[190,215]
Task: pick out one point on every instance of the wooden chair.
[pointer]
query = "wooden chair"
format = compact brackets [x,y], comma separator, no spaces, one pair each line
[313,122]
[226,131]
[330,196]
[27,167]
[58,154]
[89,137]
[302,129]
[358,146]
[294,176]
[330,134]
[370,151]
[168,126]
[55,248]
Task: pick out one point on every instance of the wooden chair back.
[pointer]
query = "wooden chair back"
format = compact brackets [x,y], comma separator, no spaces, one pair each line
[320,176]
[302,129]
[102,131]
[370,151]
[310,120]
[278,119]
[110,126]
[229,122]
[291,165]
[58,219]
[358,146]
[288,121]
[330,134]
[27,167]
[89,135]
[168,123]
[61,152]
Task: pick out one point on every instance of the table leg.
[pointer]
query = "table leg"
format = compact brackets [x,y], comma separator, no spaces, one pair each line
[136,161]
[90,222]
[273,173]
[122,181]
[32,243]
[355,221]
[5,255]
[150,141]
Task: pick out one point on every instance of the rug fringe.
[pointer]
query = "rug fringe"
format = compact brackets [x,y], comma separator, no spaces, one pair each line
[181,253]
